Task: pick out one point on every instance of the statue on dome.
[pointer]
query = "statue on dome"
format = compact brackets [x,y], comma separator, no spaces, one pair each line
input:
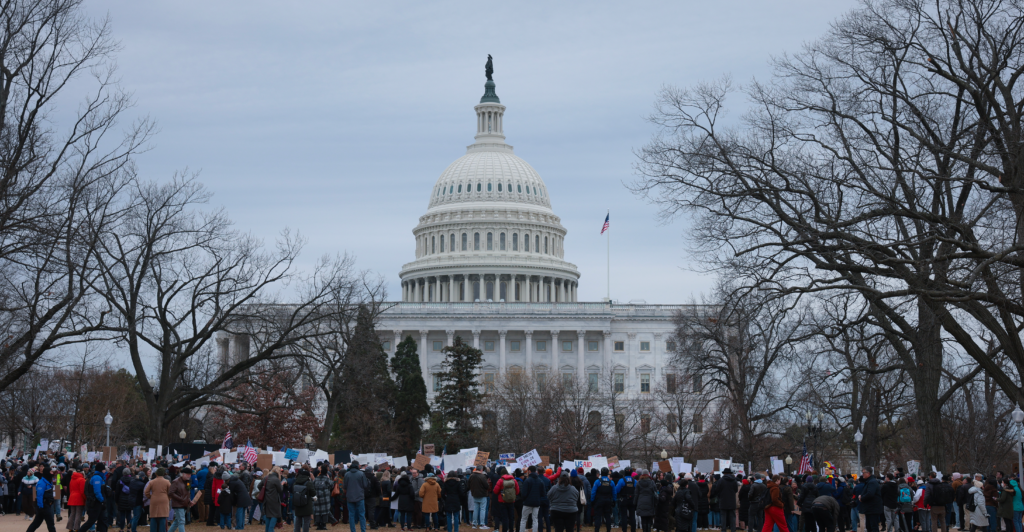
[489,68]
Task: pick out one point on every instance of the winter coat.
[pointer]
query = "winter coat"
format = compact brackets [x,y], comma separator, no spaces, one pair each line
[356,485]
[786,493]
[303,480]
[979,517]
[123,494]
[757,491]
[240,491]
[405,494]
[991,493]
[386,486]
[744,496]
[645,496]
[532,491]
[272,496]
[138,486]
[1005,502]
[430,492]
[209,490]
[1018,506]
[871,499]
[890,494]
[478,485]
[322,485]
[500,485]
[453,492]
[76,495]
[178,494]
[563,498]
[829,503]
[808,492]
[158,492]
[666,511]
[725,489]
[703,503]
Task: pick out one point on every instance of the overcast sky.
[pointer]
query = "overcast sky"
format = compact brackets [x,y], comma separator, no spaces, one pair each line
[336,118]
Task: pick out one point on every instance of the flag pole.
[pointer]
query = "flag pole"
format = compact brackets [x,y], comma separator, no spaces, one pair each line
[609,214]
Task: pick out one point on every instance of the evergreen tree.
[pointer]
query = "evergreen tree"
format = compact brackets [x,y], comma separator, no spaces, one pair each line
[369,404]
[456,403]
[410,396]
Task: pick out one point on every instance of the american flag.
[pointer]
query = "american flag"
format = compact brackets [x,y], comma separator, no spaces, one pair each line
[605,226]
[250,453]
[227,441]
[806,463]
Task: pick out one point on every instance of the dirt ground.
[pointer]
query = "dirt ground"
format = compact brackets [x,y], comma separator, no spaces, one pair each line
[13,523]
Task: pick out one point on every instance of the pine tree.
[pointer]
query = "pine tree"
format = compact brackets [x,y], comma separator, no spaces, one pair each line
[456,403]
[411,408]
[368,406]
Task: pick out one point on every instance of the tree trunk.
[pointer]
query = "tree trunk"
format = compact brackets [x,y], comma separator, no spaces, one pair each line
[927,379]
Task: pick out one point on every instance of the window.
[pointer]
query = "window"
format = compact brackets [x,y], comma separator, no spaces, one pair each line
[469,187]
[489,345]
[451,242]
[594,420]
[501,242]
[526,243]
[536,244]
[488,382]
[670,383]
[542,345]
[514,345]
[527,189]
[670,346]
[385,346]
[567,346]
[566,379]
[592,381]
[696,384]
[620,383]
[673,423]
[478,187]
[465,240]
[490,241]
[488,187]
[438,345]
[534,190]
[515,241]
[545,245]
[451,189]
[433,244]
[645,423]
[542,378]
[499,187]
[520,188]
[592,345]
[437,382]
[509,187]
[460,189]
[698,423]
[620,423]
[645,346]
[442,243]
[476,241]
[645,383]
[620,346]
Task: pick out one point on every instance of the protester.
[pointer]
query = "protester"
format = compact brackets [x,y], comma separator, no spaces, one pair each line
[43,502]
[76,501]
[979,514]
[406,500]
[646,497]
[430,492]
[356,485]
[452,492]
[158,493]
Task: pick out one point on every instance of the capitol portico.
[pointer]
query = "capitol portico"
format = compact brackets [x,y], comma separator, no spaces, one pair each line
[490,267]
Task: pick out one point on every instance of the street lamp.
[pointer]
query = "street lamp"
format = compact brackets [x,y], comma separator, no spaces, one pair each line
[309,441]
[789,463]
[182,435]
[664,454]
[814,431]
[108,419]
[858,437]
[1018,418]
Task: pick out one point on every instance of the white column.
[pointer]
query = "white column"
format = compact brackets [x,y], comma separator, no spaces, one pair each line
[529,290]
[451,288]
[476,339]
[554,352]
[423,361]
[657,356]
[607,355]
[561,291]
[398,340]
[630,357]
[501,351]
[529,353]
[579,355]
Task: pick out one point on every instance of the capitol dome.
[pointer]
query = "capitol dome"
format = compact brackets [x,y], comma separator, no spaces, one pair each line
[489,233]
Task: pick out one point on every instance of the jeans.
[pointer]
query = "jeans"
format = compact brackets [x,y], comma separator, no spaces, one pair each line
[252,509]
[452,521]
[56,507]
[239,518]
[158,524]
[302,522]
[356,511]
[854,518]
[993,519]
[179,520]
[271,522]
[527,512]
[224,520]
[924,517]
[405,519]
[479,510]
[1016,520]
[891,519]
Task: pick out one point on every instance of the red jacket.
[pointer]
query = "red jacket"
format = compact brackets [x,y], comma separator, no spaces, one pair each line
[500,484]
[76,490]
[553,477]
[215,487]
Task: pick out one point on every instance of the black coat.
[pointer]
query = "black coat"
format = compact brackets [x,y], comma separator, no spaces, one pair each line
[744,500]
[871,499]
[452,493]
[645,496]
[208,488]
[406,495]
[386,487]
[808,492]
[531,490]
[725,489]
[123,490]
[137,487]
[703,504]
[666,510]
[240,491]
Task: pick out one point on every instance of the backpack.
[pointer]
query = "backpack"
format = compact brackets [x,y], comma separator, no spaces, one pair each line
[942,494]
[508,491]
[970,505]
[763,501]
[626,494]
[906,496]
[300,497]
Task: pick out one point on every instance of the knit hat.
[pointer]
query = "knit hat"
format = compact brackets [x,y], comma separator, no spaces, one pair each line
[574,474]
[548,471]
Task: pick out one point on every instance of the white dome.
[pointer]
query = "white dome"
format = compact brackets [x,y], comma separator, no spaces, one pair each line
[490,174]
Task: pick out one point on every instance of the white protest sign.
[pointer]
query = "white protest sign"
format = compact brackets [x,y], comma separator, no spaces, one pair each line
[279,459]
[150,454]
[436,461]
[400,462]
[319,456]
[568,464]
[706,466]
[91,455]
[203,461]
[303,456]
[777,467]
[231,457]
[531,458]
[159,450]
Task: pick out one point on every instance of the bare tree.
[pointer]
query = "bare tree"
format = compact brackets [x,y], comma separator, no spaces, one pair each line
[56,182]
[684,406]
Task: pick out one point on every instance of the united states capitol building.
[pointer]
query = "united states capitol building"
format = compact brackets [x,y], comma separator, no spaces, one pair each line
[490,267]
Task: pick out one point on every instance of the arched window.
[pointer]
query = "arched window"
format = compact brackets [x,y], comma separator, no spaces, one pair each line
[438,192]
[476,290]
[490,241]
[499,187]
[594,420]
[460,189]
[488,187]
[490,291]
[503,293]
[443,190]
[465,240]
[527,189]
[452,240]
[442,243]
[433,245]
[501,242]
[536,244]
[509,187]
[545,245]
[519,188]
[478,187]
[526,243]
[515,241]
[673,423]
[476,241]
[518,297]
[534,191]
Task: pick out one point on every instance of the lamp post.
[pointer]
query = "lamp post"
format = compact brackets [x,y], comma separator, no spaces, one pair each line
[814,431]
[182,435]
[789,463]
[1018,418]
[309,442]
[858,437]
[108,419]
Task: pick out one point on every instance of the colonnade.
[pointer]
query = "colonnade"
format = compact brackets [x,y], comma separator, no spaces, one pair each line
[494,287]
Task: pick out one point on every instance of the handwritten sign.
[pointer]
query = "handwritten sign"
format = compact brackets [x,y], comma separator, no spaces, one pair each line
[531,458]
[428,448]
[481,458]
[421,461]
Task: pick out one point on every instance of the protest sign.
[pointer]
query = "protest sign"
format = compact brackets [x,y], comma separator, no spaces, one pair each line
[613,462]
[230,457]
[421,461]
[265,461]
[531,458]
[291,454]
[428,449]
[303,456]
[507,456]
[85,450]
[665,465]
[913,468]
[436,461]
[281,459]
[400,462]
[159,450]
[319,456]
[777,467]
[706,466]
[481,458]
[596,462]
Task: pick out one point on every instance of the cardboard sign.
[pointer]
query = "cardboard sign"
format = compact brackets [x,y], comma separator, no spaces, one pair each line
[613,462]
[544,462]
[421,461]
[265,461]
[109,454]
[481,458]
[428,449]
[664,465]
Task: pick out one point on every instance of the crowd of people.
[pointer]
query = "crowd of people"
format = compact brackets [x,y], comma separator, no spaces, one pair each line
[166,497]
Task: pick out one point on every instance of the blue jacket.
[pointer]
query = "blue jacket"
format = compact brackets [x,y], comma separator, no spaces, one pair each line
[96,482]
[201,476]
[826,488]
[532,491]
[597,485]
[547,487]
[41,488]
